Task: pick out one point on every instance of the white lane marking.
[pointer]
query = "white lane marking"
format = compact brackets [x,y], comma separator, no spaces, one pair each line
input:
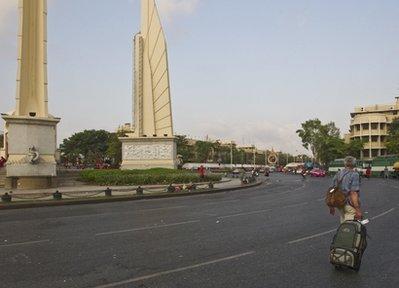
[312,236]
[333,230]
[383,214]
[245,213]
[262,211]
[299,188]
[163,208]
[25,243]
[117,213]
[218,203]
[295,205]
[146,228]
[167,272]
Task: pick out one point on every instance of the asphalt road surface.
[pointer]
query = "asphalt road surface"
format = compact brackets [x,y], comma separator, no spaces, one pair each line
[274,235]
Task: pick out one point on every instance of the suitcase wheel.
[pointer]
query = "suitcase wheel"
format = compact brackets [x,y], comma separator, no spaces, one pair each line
[338,268]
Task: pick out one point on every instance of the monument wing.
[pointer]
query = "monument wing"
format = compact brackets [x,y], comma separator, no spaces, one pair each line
[156,58]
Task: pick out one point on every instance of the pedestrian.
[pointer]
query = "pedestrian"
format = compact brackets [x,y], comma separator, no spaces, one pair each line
[386,172]
[349,183]
[368,172]
[201,171]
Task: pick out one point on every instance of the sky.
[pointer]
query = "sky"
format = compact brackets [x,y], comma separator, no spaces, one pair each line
[249,71]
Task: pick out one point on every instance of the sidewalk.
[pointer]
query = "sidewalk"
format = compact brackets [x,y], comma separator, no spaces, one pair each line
[86,191]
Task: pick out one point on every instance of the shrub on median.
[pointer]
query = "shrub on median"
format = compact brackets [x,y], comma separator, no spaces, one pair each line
[144,177]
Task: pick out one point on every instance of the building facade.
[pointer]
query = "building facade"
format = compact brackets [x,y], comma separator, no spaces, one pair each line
[371,124]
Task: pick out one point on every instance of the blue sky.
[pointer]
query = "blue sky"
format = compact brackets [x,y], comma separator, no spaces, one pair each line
[250,71]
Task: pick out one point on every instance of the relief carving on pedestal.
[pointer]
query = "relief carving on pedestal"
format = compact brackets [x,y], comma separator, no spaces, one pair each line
[147,152]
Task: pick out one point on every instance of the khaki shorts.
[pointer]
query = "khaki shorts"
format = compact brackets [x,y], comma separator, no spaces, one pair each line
[347,213]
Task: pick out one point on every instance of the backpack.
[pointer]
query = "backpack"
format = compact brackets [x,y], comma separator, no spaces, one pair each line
[335,198]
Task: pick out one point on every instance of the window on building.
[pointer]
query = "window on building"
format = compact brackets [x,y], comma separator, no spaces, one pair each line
[366,153]
[366,139]
[374,153]
[374,126]
[382,126]
[383,138]
[374,138]
[384,152]
[365,126]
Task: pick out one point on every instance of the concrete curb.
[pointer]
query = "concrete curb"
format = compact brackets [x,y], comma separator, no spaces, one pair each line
[114,188]
[49,192]
[52,203]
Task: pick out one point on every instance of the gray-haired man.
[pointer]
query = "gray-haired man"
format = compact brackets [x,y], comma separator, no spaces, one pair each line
[350,185]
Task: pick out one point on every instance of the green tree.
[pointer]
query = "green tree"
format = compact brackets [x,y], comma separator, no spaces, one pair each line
[222,152]
[91,145]
[260,159]
[331,148]
[310,134]
[203,150]
[184,149]
[323,140]
[393,138]
[354,148]
[285,158]
[114,149]
[239,156]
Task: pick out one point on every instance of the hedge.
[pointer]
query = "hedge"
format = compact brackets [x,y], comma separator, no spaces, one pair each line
[144,177]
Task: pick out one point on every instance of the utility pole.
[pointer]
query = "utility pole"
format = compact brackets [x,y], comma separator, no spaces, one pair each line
[231,154]
[254,156]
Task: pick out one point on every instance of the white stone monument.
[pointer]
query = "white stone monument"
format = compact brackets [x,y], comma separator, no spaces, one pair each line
[151,143]
[30,131]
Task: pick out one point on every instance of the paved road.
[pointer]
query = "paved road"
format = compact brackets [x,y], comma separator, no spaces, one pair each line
[275,235]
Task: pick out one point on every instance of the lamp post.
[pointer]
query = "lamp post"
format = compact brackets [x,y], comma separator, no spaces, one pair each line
[254,148]
[231,154]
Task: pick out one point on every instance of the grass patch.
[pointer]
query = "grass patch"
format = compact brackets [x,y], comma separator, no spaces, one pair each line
[144,177]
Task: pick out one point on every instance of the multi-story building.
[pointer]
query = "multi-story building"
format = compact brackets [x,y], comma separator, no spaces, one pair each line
[371,124]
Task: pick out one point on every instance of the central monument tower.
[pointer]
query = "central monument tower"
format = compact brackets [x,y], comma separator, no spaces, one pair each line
[30,131]
[151,142]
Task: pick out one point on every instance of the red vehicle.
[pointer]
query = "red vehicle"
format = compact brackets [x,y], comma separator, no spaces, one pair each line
[318,173]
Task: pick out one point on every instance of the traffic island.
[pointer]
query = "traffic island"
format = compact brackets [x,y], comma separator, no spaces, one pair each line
[96,198]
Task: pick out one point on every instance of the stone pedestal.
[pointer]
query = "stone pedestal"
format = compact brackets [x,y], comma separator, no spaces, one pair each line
[30,145]
[147,153]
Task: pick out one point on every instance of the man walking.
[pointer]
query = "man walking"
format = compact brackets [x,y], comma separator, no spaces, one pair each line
[349,181]
[386,172]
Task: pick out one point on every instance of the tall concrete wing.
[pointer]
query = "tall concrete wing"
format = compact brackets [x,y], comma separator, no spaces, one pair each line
[151,143]
[152,112]
[30,131]
[32,59]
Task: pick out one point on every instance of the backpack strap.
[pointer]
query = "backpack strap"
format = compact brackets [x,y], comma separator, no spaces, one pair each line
[339,182]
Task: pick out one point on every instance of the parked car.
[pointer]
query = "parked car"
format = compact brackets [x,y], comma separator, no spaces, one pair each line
[318,173]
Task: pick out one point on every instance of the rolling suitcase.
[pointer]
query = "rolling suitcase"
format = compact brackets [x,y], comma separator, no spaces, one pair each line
[348,245]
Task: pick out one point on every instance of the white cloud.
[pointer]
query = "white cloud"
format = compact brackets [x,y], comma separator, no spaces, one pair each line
[170,8]
[7,9]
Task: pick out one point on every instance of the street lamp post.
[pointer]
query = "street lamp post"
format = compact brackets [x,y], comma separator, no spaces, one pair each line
[231,154]
[254,156]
